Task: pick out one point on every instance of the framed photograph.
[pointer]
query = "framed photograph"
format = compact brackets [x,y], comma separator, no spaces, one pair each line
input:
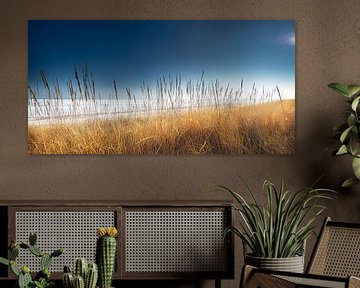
[161,87]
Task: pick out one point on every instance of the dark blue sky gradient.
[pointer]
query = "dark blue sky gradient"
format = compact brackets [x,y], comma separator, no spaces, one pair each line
[137,51]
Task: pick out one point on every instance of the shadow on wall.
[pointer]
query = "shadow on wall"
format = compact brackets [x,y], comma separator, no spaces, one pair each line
[319,146]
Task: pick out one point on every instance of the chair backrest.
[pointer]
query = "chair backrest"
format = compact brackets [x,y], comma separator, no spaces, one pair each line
[337,251]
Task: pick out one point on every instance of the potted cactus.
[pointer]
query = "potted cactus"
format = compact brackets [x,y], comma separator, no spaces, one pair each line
[85,275]
[106,254]
[42,278]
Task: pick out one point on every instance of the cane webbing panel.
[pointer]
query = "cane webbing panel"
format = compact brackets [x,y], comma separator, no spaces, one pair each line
[338,252]
[175,241]
[75,231]
[260,280]
[313,282]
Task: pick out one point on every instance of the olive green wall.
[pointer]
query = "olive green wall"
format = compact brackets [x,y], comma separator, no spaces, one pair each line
[327,50]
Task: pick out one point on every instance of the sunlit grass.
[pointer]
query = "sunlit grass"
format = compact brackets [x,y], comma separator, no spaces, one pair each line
[257,129]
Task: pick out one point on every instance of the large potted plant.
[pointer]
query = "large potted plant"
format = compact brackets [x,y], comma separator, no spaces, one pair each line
[348,132]
[275,233]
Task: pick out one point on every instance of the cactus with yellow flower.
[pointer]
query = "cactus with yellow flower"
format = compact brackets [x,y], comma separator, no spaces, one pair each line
[106,254]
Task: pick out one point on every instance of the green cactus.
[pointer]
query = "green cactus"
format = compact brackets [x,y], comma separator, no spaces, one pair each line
[36,251]
[68,280]
[14,268]
[43,274]
[32,238]
[57,252]
[91,276]
[67,269]
[42,278]
[87,272]
[79,282]
[24,245]
[106,254]
[4,261]
[80,267]
[45,261]
[13,253]
[25,269]
[24,280]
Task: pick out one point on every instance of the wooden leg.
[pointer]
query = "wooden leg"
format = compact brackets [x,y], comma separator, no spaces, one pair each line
[217,283]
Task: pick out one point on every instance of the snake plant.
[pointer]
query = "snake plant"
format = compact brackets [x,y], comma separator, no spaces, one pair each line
[348,132]
[279,228]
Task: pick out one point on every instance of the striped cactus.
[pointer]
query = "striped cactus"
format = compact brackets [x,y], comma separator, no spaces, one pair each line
[68,280]
[84,276]
[91,276]
[106,254]
[79,282]
[81,266]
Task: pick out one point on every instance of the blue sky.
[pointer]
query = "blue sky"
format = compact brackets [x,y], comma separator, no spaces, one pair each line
[135,51]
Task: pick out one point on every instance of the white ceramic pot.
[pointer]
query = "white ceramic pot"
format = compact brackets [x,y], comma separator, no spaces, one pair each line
[291,264]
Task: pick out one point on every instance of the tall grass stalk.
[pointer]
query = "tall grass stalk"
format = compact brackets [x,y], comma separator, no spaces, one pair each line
[175,117]
[262,129]
[170,96]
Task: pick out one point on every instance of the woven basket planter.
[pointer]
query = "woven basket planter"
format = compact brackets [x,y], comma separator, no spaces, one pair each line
[291,264]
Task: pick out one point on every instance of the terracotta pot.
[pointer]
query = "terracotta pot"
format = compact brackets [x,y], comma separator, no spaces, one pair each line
[291,264]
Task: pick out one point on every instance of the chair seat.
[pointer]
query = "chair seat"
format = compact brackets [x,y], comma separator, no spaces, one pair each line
[268,279]
[335,262]
[315,282]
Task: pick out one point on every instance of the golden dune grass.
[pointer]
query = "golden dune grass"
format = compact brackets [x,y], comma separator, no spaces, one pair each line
[264,128]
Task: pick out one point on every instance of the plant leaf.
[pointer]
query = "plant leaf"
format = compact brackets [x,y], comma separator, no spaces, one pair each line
[351,120]
[14,268]
[349,182]
[342,150]
[345,134]
[356,167]
[354,145]
[4,261]
[279,228]
[353,89]
[340,88]
[355,103]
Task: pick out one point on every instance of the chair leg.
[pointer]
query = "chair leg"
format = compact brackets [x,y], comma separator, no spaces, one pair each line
[217,283]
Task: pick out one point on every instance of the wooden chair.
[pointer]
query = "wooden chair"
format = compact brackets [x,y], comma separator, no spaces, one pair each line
[335,262]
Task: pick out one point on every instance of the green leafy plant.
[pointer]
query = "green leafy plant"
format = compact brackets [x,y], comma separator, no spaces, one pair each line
[279,229]
[43,283]
[348,132]
[42,278]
